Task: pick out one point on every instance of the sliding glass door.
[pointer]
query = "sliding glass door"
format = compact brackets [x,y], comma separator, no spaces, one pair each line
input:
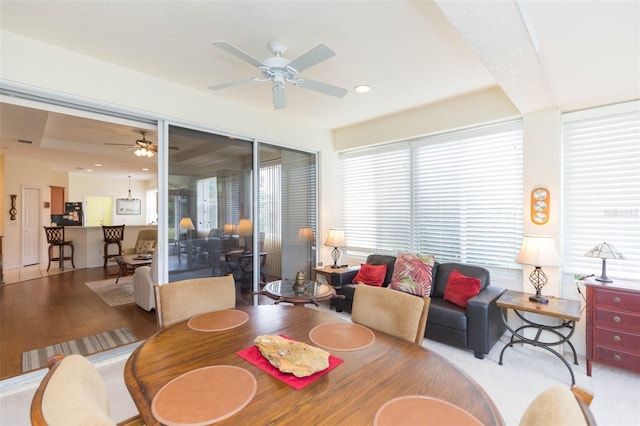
[219,224]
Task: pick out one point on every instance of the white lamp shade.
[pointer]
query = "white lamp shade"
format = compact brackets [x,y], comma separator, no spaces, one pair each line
[305,235]
[538,251]
[245,228]
[230,229]
[335,238]
[186,223]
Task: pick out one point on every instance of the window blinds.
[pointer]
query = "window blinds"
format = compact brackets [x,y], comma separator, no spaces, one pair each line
[601,188]
[468,195]
[457,196]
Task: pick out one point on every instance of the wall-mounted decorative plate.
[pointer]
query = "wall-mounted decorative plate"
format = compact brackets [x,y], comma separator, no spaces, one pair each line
[540,201]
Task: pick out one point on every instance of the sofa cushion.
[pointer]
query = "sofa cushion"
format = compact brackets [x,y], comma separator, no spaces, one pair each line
[412,273]
[383,259]
[370,275]
[460,288]
[447,314]
[145,246]
[441,276]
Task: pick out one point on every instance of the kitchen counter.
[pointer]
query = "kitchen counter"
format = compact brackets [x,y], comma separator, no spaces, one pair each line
[89,243]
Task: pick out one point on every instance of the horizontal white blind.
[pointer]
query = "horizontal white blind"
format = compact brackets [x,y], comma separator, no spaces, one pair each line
[457,196]
[377,200]
[468,195]
[601,188]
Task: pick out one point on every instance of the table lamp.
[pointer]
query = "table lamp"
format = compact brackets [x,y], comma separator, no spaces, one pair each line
[335,240]
[604,251]
[186,224]
[230,229]
[538,251]
[305,235]
[245,229]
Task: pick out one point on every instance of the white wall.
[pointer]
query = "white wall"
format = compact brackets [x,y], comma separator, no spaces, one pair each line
[81,186]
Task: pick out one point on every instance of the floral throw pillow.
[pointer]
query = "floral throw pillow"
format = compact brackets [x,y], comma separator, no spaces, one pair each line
[412,273]
[144,247]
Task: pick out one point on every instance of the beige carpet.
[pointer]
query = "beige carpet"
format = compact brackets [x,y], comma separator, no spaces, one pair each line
[114,294]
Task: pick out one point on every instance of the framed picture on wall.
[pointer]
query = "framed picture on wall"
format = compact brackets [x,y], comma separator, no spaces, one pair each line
[128,206]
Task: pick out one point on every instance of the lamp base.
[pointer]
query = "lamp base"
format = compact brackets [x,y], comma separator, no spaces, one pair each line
[604,279]
[539,299]
[336,266]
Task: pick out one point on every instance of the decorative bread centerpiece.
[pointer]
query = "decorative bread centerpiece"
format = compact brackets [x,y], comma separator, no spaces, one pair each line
[289,356]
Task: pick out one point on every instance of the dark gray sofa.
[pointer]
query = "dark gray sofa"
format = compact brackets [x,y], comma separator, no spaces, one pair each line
[478,327]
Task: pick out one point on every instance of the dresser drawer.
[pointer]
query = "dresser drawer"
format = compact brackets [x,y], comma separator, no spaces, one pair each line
[617,300]
[618,340]
[617,358]
[617,320]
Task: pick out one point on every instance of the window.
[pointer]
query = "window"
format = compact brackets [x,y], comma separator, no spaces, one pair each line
[207,202]
[601,188]
[457,196]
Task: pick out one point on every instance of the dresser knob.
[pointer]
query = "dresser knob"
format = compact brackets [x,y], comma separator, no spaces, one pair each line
[616,338]
[616,318]
[617,358]
[616,299]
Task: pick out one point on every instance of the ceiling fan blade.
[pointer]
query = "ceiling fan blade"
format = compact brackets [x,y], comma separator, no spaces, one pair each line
[237,53]
[317,54]
[231,84]
[279,97]
[323,88]
[117,144]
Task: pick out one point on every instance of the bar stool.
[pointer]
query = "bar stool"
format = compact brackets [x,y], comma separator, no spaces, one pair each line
[112,235]
[55,238]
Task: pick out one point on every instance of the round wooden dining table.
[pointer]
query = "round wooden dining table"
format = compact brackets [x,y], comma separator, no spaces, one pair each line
[349,394]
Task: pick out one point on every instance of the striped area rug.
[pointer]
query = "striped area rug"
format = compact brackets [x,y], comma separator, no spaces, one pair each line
[37,358]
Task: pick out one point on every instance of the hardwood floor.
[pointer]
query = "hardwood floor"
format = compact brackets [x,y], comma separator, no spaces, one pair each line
[57,308]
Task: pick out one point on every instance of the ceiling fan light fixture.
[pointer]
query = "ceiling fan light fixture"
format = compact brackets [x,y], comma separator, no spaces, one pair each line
[143,152]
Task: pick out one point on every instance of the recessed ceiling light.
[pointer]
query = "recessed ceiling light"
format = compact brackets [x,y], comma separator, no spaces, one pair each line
[89,170]
[145,170]
[362,88]
[98,165]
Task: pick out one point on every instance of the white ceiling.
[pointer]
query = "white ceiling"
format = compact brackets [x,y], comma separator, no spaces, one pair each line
[543,54]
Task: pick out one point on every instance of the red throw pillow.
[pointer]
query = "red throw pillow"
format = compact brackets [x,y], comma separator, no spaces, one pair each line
[461,288]
[370,275]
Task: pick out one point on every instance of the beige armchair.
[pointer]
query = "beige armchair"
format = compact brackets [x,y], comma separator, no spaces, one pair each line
[73,393]
[391,311]
[144,237]
[181,300]
[560,406]
[144,278]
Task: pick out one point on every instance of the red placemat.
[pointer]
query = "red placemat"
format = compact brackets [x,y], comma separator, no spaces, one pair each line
[253,355]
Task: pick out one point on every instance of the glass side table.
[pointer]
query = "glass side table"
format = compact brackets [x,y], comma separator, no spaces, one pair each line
[310,292]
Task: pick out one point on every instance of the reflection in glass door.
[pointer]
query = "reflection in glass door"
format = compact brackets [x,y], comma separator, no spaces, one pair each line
[211,227]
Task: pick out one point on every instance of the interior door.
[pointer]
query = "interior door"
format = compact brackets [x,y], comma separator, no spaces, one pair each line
[31,226]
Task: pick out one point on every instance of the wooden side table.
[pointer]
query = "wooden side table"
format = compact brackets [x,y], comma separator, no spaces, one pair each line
[613,324]
[566,310]
[326,271]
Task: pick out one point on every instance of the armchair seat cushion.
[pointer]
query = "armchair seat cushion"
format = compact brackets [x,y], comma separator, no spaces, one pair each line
[447,314]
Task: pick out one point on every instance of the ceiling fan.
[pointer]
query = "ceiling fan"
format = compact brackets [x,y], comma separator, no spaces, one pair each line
[143,147]
[281,70]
